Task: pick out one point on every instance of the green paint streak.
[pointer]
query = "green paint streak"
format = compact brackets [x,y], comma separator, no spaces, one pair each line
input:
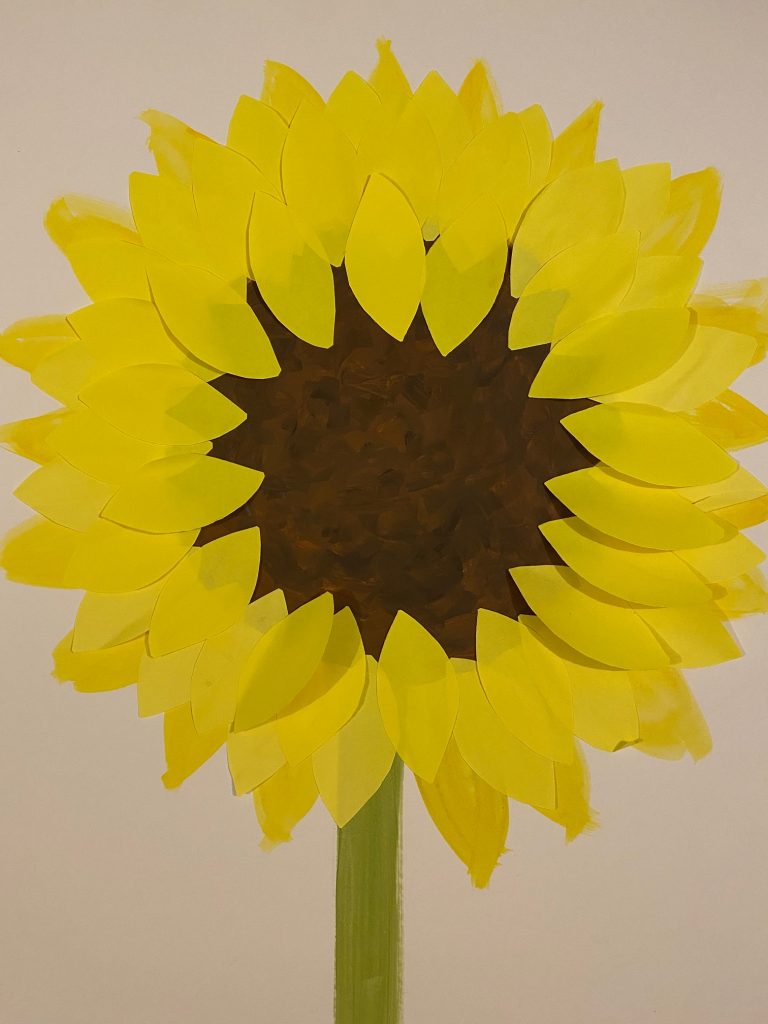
[368,910]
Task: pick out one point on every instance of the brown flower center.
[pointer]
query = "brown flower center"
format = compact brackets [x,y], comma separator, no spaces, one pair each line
[398,478]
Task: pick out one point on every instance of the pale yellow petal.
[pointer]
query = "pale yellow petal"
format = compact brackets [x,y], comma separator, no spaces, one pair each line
[662,282]
[573,812]
[30,438]
[112,268]
[738,487]
[646,198]
[745,595]
[538,135]
[746,513]
[74,218]
[253,756]
[697,636]
[447,117]
[410,157]
[166,218]
[671,723]
[694,202]
[171,143]
[723,561]
[64,495]
[282,801]
[285,90]
[479,96]
[25,343]
[98,671]
[164,681]
[258,132]
[186,750]
[575,146]
[388,78]
[64,374]
[353,106]
[106,620]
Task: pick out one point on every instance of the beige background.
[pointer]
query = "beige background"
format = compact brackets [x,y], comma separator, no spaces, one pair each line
[129,905]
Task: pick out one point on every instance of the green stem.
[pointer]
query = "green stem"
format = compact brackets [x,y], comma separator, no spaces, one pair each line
[368,910]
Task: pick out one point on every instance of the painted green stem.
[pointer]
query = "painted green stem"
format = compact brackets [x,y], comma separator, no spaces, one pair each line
[368,910]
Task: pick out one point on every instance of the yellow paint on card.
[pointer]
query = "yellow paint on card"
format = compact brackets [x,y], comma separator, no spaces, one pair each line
[98,671]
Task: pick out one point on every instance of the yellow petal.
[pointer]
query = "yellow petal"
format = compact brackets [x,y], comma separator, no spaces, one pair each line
[648,517]
[72,219]
[388,79]
[186,750]
[210,319]
[650,444]
[353,106]
[615,352]
[285,89]
[647,197]
[25,343]
[418,695]
[253,756]
[538,135]
[710,363]
[165,681]
[282,801]
[746,595]
[171,143]
[470,815]
[575,146]
[608,632]
[724,561]
[479,96]
[662,282]
[63,374]
[108,558]
[294,280]
[258,132]
[217,670]
[573,812]
[746,513]
[321,180]
[64,495]
[671,723]
[331,696]
[31,438]
[166,217]
[385,257]
[516,690]
[464,271]
[37,552]
[580,204]
[694,202]
[106,620]
[657,578]
[283,662]
[732,421]
[411,159]
[98,671]
[111,268]
[352,765]
[738,487]
[498,757]
[207,592]
[182,492]
[161,405]
[697,635]
[446,115]
[583,282]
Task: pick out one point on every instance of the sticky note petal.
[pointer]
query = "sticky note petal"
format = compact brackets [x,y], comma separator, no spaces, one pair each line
[166,217]
[295,281]
[612,353]
[254,756]
[470,815]
[446,115]
[285,89]
[498,757]
[385,257]
[671,723]
[207,592]
[106,620]
[578,205]
[64,495]
[331,696]
[479,96]
[98,671]
[732,421]
[182,492]
[639,514]
[388,78]
[609,632]
[175,407]
[30,438]
[411,158]
[418,695]
[111,268]
[650,444]
[64,374]
[283,662]
[186,749]
[538,135]
[351,766]
[697,635]
[25,343]
[353,106]
[282,801]
[663,282]
[165,681]
[646,191]
[723,561]
[694,202]
[572,812]
[258,132]
[575,146]
[738,487]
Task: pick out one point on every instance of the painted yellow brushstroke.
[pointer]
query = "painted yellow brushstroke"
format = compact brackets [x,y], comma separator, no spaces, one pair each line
[98,671]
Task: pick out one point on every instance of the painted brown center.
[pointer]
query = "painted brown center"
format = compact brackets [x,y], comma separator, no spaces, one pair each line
[398,478]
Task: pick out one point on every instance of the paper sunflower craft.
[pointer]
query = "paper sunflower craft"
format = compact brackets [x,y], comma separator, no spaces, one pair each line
[395,431]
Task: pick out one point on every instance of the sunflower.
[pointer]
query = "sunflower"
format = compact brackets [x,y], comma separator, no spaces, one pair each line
[395,431]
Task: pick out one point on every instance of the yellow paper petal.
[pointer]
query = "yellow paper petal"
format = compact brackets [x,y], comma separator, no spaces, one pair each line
[352,765]
[657,578]
[585,281]
[746,595]
[446,115]
[353,106]
[470,815]
[254,756]
[518,692]
[282,801]
[25,343]
[166,217]
[697,635]
[662,282]
[294,280]
[573,812]
[165,681]
[37,552]
[648,517]
[207,592]
[112,268]
[650,444]
[283,662]
[186,750]
[258,132]
[217,670]
[410,158]
[388,79]
[109,558]
[646,198]
[63,374]
[612,353]
[106,620]
[30,438]
[479,96]
[321,180]
[171,143]
[498,757]
[738,487]
[385,257]
[285,89]
[538,135]
[64,495]
[724,561]
[161,405]
[732,421]
[610,633]
[579,205]
[694,202]
[98,671]
[671,723]
[418,695]
[464,271]
[575,146]
[331,696]
[182,492]
[72,219]
[746,513]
